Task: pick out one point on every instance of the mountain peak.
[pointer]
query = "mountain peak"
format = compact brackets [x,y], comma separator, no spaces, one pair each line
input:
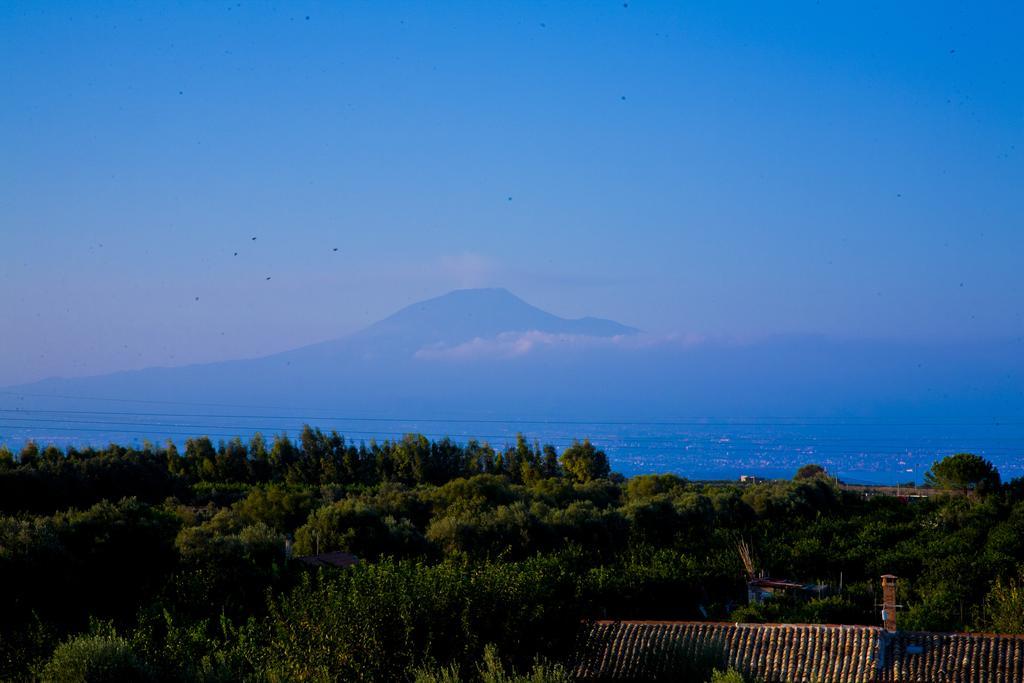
[465,314]
[497,292]
[478,295]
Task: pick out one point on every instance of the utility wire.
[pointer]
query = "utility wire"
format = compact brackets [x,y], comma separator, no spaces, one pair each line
[623,439]
[730,449]
[693,422]
[688,421]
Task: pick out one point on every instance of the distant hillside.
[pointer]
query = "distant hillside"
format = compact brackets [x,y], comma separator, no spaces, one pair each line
[457,317]
[468,313]
[487,351]
[384,366]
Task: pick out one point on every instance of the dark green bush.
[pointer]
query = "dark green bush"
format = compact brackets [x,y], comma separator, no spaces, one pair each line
[94,659]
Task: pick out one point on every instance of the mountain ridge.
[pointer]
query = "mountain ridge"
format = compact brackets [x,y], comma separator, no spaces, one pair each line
[491,311]
[534,361]
[458,316]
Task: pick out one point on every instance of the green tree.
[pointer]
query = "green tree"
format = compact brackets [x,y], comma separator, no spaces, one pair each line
[964,471]
[583,462]
[201,457]
[233,461]
[279,507]
[528,461]
[549,463]
[173,458]
[6,458]
[52,456]
[283,455]
[259,459]
[809,471]
[358,527]
[29,455]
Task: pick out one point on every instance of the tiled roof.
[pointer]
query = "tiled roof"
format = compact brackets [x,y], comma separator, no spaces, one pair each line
[332,559]
[777,583]
[955,657]
[800,653]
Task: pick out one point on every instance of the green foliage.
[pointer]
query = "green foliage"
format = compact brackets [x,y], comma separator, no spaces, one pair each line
[809,471]
[7,461]
[80,479]
[445,674]
[100,562]
[94,659]
[377,621]
[649,583]
[474,494]
[359,527]
[583,462]
[461,546]
[1004,605]
[279,507]
[25,648]
[963,471]
[833,609]
[781,501]
[492,670]
[650,485]
[225,572]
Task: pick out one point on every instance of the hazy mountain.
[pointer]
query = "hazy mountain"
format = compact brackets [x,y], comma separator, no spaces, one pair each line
[467,313]
[486,351]
[396,358]
[446,321]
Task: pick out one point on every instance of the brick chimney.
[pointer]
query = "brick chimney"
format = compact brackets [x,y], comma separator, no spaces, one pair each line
[889,602]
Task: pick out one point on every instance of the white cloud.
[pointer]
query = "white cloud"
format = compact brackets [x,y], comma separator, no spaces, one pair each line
[516,344]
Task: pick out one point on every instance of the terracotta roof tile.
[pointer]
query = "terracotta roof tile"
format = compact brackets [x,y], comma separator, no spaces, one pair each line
[801,653]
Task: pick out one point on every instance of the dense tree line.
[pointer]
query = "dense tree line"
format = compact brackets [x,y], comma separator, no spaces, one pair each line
[160,563]
[40,480]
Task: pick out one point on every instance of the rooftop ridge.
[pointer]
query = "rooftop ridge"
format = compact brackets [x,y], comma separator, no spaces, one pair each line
[661,622]
[798,653]
[780,624]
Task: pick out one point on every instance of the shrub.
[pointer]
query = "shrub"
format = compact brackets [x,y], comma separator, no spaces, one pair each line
[94,659]
[492,670]
[728,676]
[1005,605]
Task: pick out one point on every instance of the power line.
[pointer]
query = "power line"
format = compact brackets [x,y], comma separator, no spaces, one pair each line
[692,422]
[672,439]
[158,428]
[730,450]
[134,400]
[723,421]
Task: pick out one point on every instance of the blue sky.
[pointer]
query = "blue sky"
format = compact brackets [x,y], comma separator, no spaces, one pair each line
[710,168]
